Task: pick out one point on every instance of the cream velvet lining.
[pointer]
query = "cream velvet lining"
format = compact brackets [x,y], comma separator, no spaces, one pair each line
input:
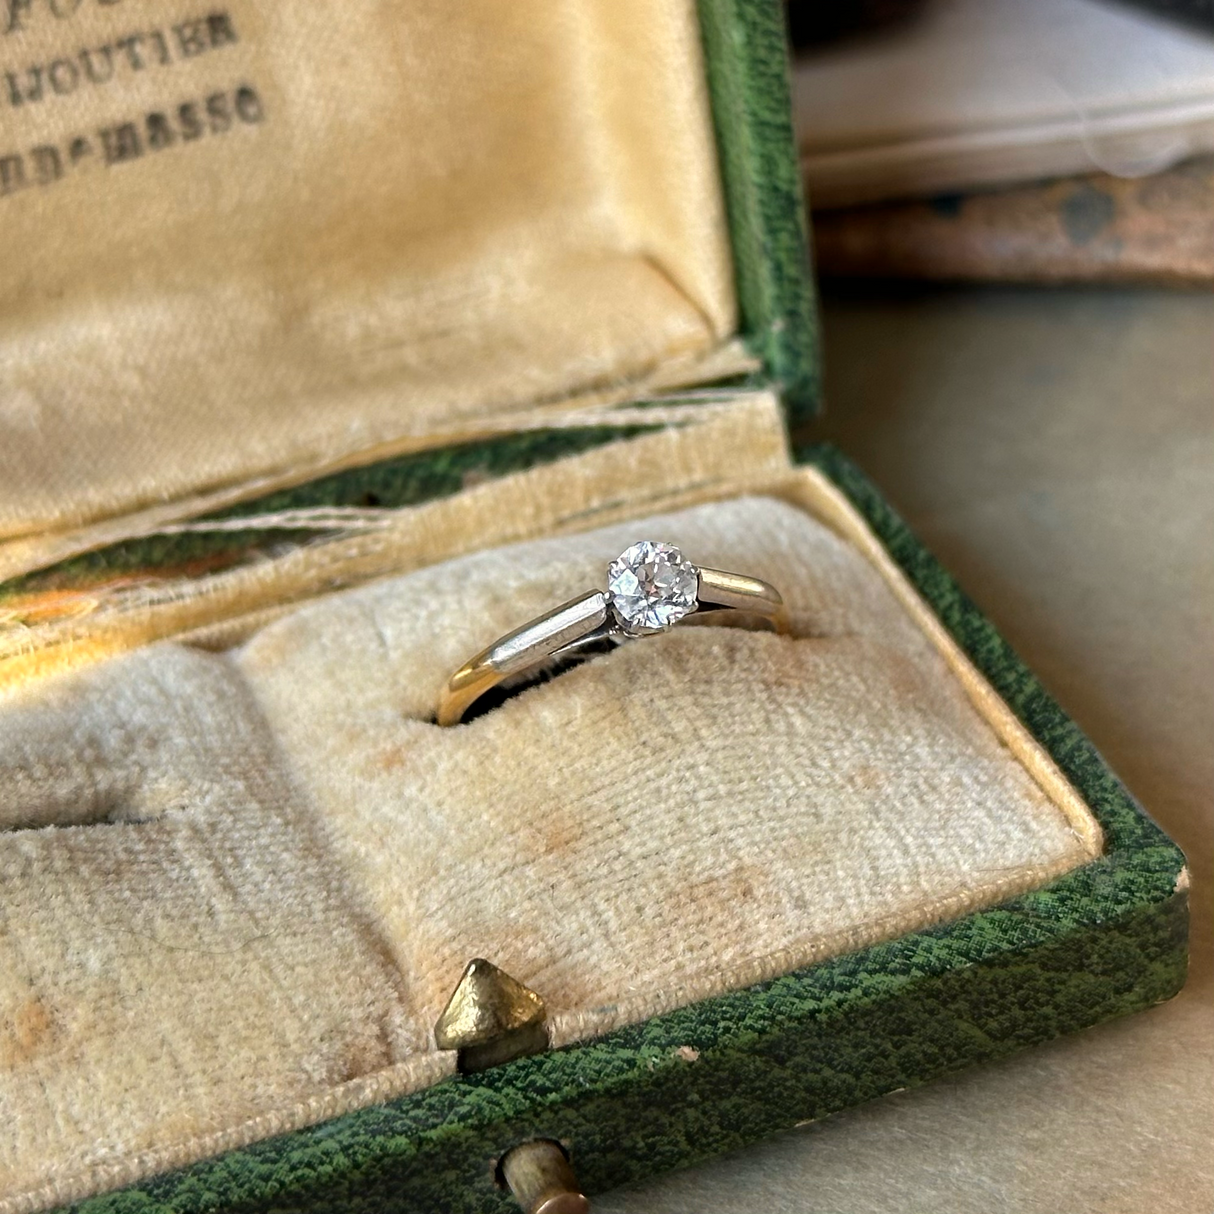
[447,216]
[268,867]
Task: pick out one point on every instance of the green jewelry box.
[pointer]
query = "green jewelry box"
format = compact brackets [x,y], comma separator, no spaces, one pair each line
[1105,939]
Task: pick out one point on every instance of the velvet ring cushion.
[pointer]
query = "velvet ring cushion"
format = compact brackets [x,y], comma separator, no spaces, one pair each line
[238,887]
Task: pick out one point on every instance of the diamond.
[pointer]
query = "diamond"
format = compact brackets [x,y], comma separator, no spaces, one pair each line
[651,586]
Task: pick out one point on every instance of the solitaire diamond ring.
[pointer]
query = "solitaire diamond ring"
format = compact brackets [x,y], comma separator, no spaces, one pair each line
[650,587]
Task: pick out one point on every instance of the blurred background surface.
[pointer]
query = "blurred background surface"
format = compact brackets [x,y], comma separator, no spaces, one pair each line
[1014,140]
[1056,449]
[1054,445]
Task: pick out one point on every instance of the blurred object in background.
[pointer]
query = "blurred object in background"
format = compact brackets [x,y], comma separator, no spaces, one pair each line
[811,23]
[1200,12]
[964,94]
[1094,228]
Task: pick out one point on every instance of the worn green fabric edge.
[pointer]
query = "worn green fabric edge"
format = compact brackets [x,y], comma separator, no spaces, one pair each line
[746,48]
[1107,939]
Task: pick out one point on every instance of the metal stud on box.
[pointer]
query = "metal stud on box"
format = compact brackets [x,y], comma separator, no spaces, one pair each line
[491,1018]
[541,1179]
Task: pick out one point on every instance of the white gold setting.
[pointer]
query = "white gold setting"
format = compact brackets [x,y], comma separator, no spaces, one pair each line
[651,586]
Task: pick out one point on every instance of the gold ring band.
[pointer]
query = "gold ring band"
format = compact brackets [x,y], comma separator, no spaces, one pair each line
[651,587]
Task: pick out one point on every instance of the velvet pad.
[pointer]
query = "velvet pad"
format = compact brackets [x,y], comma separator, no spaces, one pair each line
[240,885]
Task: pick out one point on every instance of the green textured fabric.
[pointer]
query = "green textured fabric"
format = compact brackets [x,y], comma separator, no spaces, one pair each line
[1103,941]
[747,53]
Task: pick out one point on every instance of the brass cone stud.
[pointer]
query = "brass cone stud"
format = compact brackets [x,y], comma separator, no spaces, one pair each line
[491,1018]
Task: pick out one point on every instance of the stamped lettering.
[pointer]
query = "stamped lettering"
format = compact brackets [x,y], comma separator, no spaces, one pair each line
[118,143]
[18,15]
[67,80]
[112,62]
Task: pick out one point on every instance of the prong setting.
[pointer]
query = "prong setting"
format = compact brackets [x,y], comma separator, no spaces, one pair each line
[651,586]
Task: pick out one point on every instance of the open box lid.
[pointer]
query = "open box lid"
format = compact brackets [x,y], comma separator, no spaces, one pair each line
[252,245]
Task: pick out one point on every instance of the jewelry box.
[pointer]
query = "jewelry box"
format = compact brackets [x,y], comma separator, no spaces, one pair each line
[336,343]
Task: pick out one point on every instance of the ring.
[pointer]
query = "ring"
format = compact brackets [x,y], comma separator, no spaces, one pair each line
[650,587]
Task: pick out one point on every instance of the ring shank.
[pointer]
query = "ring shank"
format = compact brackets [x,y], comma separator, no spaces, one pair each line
[586,619]
[740,592]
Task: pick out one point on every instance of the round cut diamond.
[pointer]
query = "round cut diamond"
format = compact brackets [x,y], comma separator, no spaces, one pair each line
[652,586]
